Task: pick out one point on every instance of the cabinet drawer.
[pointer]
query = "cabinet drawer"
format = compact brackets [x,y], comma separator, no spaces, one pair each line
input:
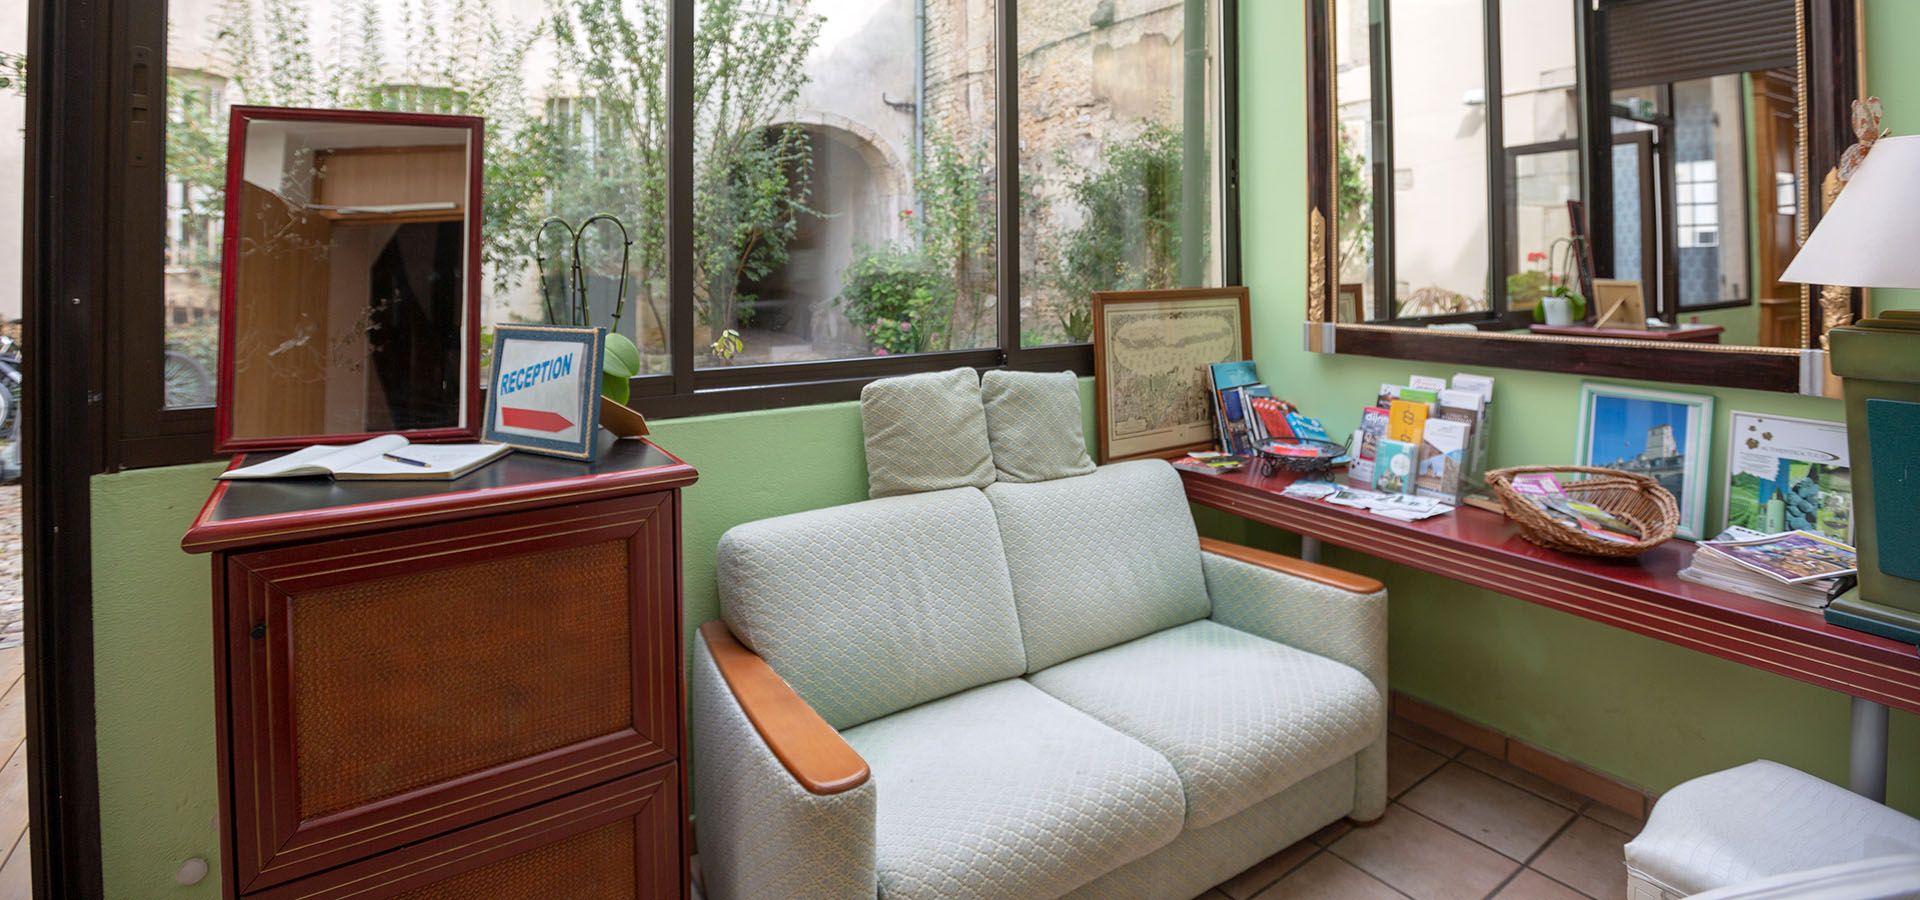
[619,841]
[390,688]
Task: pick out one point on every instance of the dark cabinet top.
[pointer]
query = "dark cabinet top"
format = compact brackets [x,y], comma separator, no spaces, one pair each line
[272,511]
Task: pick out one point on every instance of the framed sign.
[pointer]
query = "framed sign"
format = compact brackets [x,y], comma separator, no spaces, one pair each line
[1151,352]
[545,393]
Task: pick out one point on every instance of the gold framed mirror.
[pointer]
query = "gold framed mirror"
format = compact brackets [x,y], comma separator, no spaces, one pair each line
[1472,162]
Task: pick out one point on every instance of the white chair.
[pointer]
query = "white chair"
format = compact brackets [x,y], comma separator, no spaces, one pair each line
[1739,826]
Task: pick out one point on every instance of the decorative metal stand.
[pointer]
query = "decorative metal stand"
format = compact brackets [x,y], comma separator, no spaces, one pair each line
[574,299]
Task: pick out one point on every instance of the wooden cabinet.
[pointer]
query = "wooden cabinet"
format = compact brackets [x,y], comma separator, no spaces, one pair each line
[462,689]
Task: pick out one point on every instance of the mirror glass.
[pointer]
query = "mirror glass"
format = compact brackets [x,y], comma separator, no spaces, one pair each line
[1460,142]
[350,254]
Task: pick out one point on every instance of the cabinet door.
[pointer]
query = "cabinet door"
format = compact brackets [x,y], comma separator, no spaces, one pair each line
[389,688]
[618,841]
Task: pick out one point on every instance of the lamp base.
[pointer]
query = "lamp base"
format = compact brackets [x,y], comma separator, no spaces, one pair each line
[1892,622]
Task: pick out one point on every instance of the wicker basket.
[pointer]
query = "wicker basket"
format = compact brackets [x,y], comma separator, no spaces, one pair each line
[1635,498]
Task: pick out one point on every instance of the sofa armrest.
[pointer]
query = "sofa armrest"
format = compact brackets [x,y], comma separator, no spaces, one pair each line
[1316,608]
[815,754]
[785,807]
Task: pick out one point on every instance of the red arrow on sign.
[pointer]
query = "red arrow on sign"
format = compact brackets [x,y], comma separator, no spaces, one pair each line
[534,419]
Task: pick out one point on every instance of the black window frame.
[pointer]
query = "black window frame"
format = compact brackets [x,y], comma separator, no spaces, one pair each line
[140,431]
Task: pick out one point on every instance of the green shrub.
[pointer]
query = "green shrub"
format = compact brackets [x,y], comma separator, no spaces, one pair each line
[899,302]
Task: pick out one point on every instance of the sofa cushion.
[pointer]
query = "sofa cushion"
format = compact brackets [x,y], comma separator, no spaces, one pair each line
[875,606]
[1033,425]
[1240,717]
[1099,559]
[1003,791]
[925,432]
[1758,820]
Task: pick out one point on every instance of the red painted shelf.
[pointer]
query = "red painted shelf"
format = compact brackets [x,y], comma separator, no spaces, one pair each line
[1644,594]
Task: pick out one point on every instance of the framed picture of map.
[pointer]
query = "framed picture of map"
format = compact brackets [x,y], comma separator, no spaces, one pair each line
[1151,350]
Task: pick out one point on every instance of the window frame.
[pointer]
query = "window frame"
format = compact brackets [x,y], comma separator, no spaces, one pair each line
[140,431]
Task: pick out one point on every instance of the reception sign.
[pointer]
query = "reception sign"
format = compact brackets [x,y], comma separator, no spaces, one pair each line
[545,392]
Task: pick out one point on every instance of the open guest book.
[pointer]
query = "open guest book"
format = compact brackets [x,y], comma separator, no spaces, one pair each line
[387,457]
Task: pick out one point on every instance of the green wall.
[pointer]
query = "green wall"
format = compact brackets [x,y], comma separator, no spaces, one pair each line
[1644,710]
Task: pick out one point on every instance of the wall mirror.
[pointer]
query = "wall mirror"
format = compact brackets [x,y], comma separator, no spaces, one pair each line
[1661,158]
[351,278]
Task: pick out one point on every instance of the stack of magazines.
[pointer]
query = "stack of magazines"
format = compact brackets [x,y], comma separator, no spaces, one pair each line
[1797,568]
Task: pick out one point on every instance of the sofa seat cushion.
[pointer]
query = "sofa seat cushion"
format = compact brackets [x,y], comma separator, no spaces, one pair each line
[1758,820]
[1240,717]
[1003,791]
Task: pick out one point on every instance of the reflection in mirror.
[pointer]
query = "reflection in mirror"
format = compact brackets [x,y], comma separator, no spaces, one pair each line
[349,256]
[1460,149]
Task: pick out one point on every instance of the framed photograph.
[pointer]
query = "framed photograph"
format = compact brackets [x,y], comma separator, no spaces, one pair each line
[545,394]
[1659,434]
[1618,304]
[1788,474]
[350,279]
[1350,300]
[1151,353]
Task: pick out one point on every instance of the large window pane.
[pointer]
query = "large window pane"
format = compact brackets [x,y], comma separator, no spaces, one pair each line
[526,66]
[1439,156]
[1710,190]
[1119,106]
[1358,123]
[1540,121]
[843,183]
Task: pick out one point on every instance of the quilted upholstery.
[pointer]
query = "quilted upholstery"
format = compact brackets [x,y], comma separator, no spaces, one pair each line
[1757,820]
[761,834]
[925,432]
[1203,857]
[876,606]
[1339,625]
[1099,559]
[1239,716]
[1033,425]
[1003,791]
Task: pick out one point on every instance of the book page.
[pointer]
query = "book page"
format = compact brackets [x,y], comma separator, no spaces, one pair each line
[319,459]
[442,460]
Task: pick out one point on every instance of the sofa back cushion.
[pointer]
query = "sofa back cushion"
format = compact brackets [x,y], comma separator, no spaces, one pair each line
[925,432]
[1099,559]
[1033,425]
[872,607]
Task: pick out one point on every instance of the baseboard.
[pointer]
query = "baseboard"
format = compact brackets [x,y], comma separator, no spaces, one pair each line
[1552,767]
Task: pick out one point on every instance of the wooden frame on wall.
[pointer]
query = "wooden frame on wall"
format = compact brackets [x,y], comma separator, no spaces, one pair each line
[1189,433]
[1830,65]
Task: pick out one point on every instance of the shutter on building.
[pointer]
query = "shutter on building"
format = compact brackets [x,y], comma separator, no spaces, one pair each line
[1661,41]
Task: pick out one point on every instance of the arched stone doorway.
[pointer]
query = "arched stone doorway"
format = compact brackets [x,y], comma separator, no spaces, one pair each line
[858,193]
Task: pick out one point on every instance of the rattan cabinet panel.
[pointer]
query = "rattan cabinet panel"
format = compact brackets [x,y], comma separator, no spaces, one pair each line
[618,841]
[405,670]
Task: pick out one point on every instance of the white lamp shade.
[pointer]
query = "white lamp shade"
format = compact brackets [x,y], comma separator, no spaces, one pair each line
[1871,236]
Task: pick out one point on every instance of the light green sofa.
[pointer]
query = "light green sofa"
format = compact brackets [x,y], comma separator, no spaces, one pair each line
[1028,690]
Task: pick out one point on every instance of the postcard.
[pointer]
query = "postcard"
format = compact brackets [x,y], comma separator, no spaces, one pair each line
[1789,475]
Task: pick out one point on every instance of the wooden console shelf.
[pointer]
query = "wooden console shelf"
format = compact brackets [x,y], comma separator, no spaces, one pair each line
[1644,595]
[452,689]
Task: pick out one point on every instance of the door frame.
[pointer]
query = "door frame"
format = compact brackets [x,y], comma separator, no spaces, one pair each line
[66,250]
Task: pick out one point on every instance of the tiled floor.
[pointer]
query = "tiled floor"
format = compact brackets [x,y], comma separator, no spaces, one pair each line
[1461,825]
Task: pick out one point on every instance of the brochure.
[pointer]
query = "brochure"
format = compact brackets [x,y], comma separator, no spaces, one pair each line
[1443,452]
[1393,466]
[1373,428]
[1790,558]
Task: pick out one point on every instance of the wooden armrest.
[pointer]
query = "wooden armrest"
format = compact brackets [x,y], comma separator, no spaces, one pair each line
[815,754]
[1299,568]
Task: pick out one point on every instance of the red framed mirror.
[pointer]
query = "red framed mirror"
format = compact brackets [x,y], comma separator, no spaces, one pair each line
[350,278]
